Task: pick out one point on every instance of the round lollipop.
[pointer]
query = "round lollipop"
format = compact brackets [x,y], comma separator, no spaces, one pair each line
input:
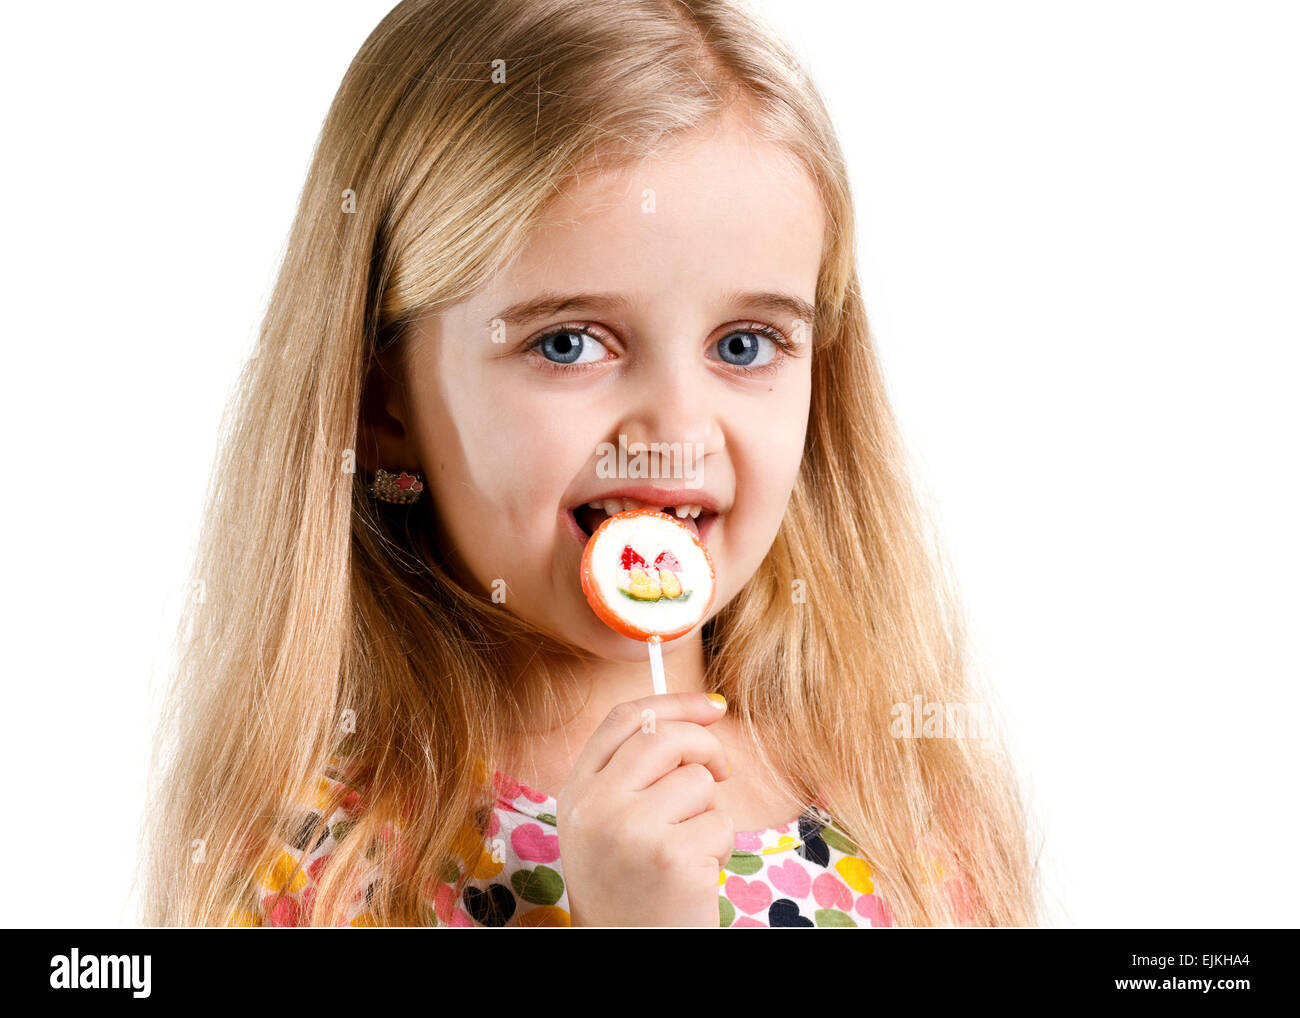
[647,576]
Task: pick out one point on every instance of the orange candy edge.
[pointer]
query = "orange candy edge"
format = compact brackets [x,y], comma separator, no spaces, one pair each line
[606,614]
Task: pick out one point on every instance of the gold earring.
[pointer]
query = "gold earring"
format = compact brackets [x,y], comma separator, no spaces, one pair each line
[402,488]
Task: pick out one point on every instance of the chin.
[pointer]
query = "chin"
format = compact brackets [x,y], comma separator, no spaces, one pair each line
[602,642]
[615,647]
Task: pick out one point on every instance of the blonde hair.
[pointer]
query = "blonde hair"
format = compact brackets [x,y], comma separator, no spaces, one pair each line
[320,605]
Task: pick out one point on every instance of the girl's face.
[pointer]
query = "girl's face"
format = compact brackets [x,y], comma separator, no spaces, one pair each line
[674,276]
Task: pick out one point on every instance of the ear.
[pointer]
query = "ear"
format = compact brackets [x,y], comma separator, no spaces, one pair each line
[383,429]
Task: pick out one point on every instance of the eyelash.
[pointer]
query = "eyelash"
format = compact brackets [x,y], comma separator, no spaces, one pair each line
[786,347]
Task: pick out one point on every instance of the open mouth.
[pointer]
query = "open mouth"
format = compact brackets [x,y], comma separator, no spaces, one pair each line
[589,517]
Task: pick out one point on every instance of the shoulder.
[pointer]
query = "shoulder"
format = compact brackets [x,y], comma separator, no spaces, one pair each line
[284,886]
[508,869]
[806,873]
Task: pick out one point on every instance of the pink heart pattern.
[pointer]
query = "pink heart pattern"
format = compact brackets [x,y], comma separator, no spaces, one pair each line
[797,875]
[749,895]
[831,893]
[532,844]
[790,879]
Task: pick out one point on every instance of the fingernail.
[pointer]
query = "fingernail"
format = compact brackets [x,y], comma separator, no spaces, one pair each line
[718,700]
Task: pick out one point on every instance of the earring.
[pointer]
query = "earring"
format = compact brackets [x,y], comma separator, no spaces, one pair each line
[402,488]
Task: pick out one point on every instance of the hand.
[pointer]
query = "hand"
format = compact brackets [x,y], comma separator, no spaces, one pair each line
[641,842]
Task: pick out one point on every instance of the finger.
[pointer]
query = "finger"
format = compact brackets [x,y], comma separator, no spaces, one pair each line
[627,718]
[714,831]
[645,757]
[682,793]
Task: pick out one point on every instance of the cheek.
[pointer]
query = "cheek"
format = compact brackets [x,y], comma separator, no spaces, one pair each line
[766,471]
[501,445]
[522,460]
[773,442]
[503,464]
[766,453]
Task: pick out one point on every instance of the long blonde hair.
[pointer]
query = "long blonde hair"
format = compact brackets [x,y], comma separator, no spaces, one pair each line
[329,631]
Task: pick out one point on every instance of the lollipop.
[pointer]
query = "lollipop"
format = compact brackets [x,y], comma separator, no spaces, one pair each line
[647,576]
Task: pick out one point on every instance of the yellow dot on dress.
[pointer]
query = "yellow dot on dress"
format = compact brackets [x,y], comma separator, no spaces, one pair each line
[480,772]
[284,874]
[487,867]
[467,843]
[546,915]
[856,873]
[323,790]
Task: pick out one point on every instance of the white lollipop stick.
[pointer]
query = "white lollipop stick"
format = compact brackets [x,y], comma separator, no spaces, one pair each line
[657,664]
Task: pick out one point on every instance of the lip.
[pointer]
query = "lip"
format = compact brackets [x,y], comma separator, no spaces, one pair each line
[659,497]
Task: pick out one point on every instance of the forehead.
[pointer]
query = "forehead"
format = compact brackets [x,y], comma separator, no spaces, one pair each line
[719,209]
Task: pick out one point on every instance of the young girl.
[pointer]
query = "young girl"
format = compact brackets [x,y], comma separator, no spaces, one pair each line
[532,233]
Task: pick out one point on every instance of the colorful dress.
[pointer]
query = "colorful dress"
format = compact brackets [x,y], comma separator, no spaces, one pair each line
[803,873]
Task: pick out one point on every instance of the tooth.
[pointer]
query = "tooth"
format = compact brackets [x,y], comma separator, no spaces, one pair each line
[695,511]
[595,505]
[612,506]
[681,511]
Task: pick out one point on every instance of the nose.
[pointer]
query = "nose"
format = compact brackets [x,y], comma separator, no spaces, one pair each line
[672,399]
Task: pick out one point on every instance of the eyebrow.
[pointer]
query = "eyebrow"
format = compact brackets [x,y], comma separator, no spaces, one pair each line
[548,304]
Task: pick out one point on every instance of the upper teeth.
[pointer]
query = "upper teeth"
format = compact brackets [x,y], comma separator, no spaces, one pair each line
[620,505]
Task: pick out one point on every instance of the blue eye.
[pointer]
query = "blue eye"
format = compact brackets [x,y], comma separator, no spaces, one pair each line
[569,346]
[743,349]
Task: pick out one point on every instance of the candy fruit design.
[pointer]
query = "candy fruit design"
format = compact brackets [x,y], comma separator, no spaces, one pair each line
[651,582]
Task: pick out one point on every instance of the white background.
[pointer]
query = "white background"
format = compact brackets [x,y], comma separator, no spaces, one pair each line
[1078,241]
